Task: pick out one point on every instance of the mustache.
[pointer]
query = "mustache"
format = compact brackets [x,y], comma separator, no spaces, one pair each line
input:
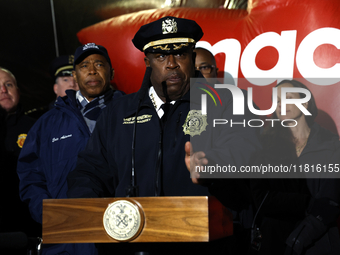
[174,74]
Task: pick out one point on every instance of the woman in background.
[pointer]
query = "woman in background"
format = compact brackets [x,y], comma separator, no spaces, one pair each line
[298,214]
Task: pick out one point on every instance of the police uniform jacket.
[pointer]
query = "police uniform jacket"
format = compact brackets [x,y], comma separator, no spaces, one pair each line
[14,215]
[104,167]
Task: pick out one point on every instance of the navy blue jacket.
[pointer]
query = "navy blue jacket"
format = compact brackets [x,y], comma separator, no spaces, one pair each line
[49,154]
[104,167]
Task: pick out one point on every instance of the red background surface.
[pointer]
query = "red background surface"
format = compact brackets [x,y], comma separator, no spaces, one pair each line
[262,16]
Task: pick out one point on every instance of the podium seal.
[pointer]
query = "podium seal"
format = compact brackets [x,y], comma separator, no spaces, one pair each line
[123,220]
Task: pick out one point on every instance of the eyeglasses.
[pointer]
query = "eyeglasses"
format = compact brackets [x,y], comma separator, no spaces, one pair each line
[206,69]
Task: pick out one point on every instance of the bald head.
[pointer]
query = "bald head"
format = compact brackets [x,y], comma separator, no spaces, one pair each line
[205,62]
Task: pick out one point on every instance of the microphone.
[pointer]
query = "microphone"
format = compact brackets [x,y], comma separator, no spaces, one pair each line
[160,144]
[132,189]
[165,92]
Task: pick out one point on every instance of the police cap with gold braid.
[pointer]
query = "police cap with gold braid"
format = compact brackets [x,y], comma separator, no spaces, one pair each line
[62,66]
[167,35]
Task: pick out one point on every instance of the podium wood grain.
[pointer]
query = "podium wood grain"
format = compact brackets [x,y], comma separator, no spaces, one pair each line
[167,219]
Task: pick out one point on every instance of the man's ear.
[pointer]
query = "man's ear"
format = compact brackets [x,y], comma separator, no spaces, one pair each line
[112,74]
[147,61]
[74,75]
[55,88]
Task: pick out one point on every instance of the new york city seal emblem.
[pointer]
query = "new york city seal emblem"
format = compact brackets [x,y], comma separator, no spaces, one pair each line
[195,123]
[122,220]
[169,26]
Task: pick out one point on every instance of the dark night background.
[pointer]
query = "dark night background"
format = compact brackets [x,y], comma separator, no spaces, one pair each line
[27,44]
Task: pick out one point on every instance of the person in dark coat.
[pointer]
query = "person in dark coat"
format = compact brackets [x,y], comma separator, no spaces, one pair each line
[299,214]
[156,122]
[14,126]
[53,143]
[61,71]
[205,62]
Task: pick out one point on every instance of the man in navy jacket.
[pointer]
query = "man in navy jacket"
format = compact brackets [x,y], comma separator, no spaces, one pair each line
[53,143]
[153,121]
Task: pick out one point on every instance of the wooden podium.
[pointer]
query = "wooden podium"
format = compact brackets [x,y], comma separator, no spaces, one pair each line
[164,219]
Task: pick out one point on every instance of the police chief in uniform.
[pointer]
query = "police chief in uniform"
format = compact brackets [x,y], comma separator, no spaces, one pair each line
[154,121]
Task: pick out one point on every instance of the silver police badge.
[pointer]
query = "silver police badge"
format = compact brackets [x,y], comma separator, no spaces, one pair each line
[169,26]
[122,220]
[195,123]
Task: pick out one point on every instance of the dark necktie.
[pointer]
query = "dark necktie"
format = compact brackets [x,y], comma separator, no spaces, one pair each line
[166,108]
